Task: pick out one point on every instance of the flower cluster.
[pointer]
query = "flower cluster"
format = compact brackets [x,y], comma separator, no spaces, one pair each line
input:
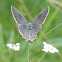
[49,48]
[15,47]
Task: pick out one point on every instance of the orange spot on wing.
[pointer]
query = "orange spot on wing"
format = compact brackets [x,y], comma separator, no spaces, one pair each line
[24,35]
[29,40]
[34,36]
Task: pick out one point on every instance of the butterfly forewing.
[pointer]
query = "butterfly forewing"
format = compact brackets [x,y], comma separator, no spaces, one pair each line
[39,19]
[19,18]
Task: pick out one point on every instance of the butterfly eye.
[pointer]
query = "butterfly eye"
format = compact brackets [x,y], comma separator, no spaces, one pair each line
[34,36]
[24,35]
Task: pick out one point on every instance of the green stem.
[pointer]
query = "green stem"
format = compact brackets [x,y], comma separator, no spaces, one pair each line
[53,29]
[57,3]
[41,58]
[28,52]
[51,19]
[26,10]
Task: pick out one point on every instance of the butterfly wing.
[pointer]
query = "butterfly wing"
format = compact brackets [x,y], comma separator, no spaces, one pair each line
[40,19]
[20,20]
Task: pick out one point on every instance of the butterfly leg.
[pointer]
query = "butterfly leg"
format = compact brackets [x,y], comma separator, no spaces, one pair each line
[29,42]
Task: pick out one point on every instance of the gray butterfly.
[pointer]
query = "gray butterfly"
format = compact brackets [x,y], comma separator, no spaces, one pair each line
[29,30]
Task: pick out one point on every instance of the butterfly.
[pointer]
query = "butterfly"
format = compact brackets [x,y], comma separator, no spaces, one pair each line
[29,30]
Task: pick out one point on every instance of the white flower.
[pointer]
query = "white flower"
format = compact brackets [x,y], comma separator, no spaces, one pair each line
[15,47]
[17,44]
[10,46]
[49,48]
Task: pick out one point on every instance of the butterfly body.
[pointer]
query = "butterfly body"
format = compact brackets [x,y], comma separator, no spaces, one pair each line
[29,30]
[29,26]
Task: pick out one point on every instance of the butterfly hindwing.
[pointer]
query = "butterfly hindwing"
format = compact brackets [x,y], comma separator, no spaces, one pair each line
[23,30]
[36,28]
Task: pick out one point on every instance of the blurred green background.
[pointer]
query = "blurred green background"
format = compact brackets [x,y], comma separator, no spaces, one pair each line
[50,33]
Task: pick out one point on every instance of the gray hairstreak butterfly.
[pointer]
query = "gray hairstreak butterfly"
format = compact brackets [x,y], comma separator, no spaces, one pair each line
[29,30]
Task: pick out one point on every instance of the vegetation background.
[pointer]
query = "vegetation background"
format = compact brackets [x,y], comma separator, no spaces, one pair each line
[50,33]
